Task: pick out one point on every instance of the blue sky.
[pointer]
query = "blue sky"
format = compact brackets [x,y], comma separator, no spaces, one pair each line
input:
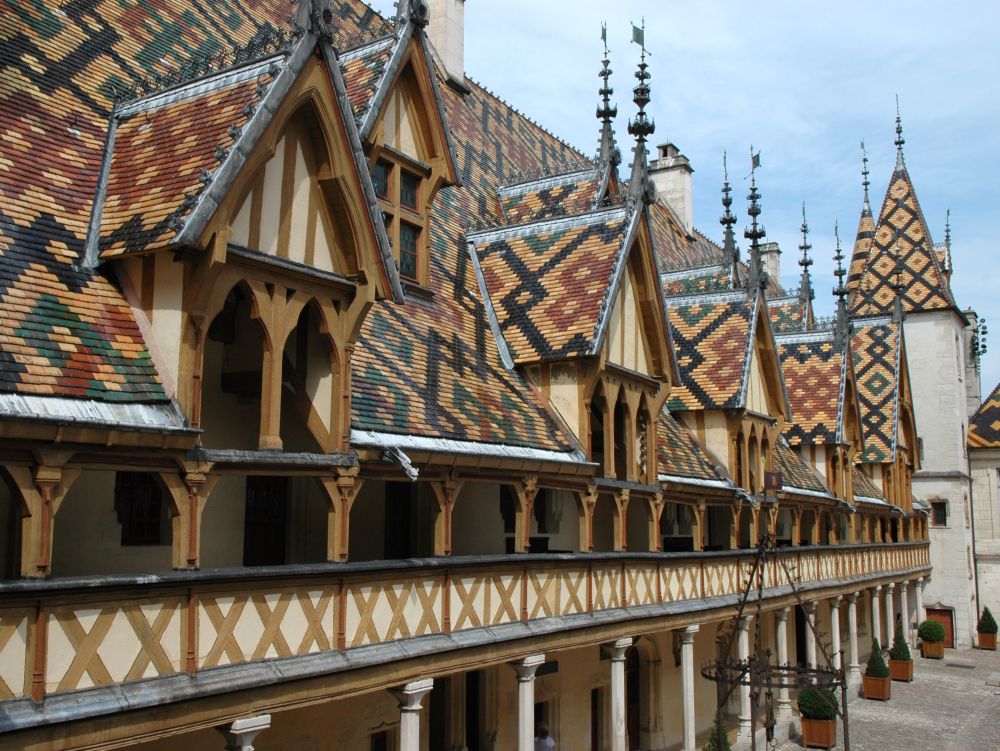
[803,82]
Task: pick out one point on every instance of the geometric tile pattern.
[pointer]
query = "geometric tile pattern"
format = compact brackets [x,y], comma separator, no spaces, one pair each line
[812,372]
[679,283]
[547,288]
[876,361]
[984,426]
[862,245]
[787,316]
[533,204]
[865,486]
[362,74]
[710,340]
[916,270]
[679,455]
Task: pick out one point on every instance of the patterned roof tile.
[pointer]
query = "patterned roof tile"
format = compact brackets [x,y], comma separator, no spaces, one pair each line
[813,371]
[876,348]
[795,472]
[679,454]
[984,426]
[865,487]
[787,315]
[363,71]
[695,281]
[574,193]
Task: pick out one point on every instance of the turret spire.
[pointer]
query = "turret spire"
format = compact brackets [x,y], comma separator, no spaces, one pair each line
[900,164]
[947,240]
[608,152]
[729,247]
[806,293]
[640,186]
[866,210]
[754,233]
[842,325]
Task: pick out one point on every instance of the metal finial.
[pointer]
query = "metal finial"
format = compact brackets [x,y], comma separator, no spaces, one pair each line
[755,232]
[729,247]
[805,287]
[865,182]
[842,325]
[640,186]
[608,152]
[897,278]
[899,137]
[947,240]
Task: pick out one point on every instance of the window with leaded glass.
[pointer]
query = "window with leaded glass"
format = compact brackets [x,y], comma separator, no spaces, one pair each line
[380,178]
[408,189]
[409,237]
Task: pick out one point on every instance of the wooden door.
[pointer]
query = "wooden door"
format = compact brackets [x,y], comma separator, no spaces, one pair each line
[265,521]
[944,617]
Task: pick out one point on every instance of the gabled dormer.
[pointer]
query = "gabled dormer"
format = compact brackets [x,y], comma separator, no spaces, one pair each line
[392,85]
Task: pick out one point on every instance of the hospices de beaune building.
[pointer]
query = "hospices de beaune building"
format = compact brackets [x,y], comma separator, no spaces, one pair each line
[343,406]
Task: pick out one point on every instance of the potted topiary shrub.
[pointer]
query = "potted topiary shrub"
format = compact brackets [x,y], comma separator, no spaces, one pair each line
[900,661]
[931,633]
[876,683]
[987,630]
[718,739]
[818,708]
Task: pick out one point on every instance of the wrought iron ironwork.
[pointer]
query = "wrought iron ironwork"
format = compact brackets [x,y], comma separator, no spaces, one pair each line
[761,674]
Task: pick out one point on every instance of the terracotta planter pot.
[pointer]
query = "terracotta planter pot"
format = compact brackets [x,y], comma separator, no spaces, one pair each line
[934,650]
[987,641]
[876,688]
[819,733]
[901,670]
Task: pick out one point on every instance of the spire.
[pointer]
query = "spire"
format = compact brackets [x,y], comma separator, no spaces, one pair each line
[731,251]
[900,164]
[866,210]
[640,186]
[608,153]
[842,324]
[806,293]
[754,233]
[947,240]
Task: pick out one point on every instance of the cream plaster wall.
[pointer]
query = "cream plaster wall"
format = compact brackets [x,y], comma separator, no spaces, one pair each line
[476,522]
[986,500]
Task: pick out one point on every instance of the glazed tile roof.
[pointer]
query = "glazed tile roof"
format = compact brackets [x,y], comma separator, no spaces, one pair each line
[795,472]
[813,371]
[159,157]
[571,193]
[984,425]
[363,69]
[862,246]
[680,455]
[876,348]
[694,281]
[787,314]
[916,270]
[865,487]
[711,337]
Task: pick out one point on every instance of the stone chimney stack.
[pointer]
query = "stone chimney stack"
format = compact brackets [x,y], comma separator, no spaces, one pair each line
[770,255]
[446,33]
[671,174]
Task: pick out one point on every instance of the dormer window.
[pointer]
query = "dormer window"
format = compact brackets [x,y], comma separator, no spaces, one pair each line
[380,178]
[399,185]
[409,188]
[409,242]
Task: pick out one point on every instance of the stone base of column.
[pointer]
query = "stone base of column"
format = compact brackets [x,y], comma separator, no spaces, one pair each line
[853,680]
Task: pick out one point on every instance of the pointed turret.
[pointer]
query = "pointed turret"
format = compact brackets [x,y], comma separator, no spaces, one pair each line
[754,233]
[730,249]
[806,293]
[842,323]
[866,229]
[640,187]
[607,150]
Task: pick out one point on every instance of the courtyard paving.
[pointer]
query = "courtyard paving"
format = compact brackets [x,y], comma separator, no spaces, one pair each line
[948,707]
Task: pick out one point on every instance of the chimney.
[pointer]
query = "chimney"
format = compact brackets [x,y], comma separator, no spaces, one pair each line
[770,255]
[446,33]
[671,174]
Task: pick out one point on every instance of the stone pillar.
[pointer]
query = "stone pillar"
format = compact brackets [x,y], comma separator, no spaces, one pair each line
[687,686]
[854,667]
[616,650]
[890,627]
[241,734]
[835,629]
[745,728]
[919,593]
[810,610]
[525,670]
[410,697]
[876,614]
[904,609]
[784,714]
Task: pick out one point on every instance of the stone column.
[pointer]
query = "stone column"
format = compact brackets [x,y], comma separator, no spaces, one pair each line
[784,714]
[904,609]
[919,592]
[241,734]
[744,730]
[616,650]
[687,686]
[810,610]
[876,614]
[890,627]
[525,670]
[854,667]
[835,629]
[410,697]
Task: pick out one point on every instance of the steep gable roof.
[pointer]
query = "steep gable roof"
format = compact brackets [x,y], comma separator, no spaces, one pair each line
[796,474]
[679,455]
[876,344]
[902,253]
[814,374]
[984,425]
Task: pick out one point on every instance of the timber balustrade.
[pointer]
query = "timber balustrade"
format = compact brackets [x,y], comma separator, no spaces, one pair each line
[70,634]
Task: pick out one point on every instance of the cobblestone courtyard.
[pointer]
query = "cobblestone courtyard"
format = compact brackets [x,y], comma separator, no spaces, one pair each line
[948,707]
